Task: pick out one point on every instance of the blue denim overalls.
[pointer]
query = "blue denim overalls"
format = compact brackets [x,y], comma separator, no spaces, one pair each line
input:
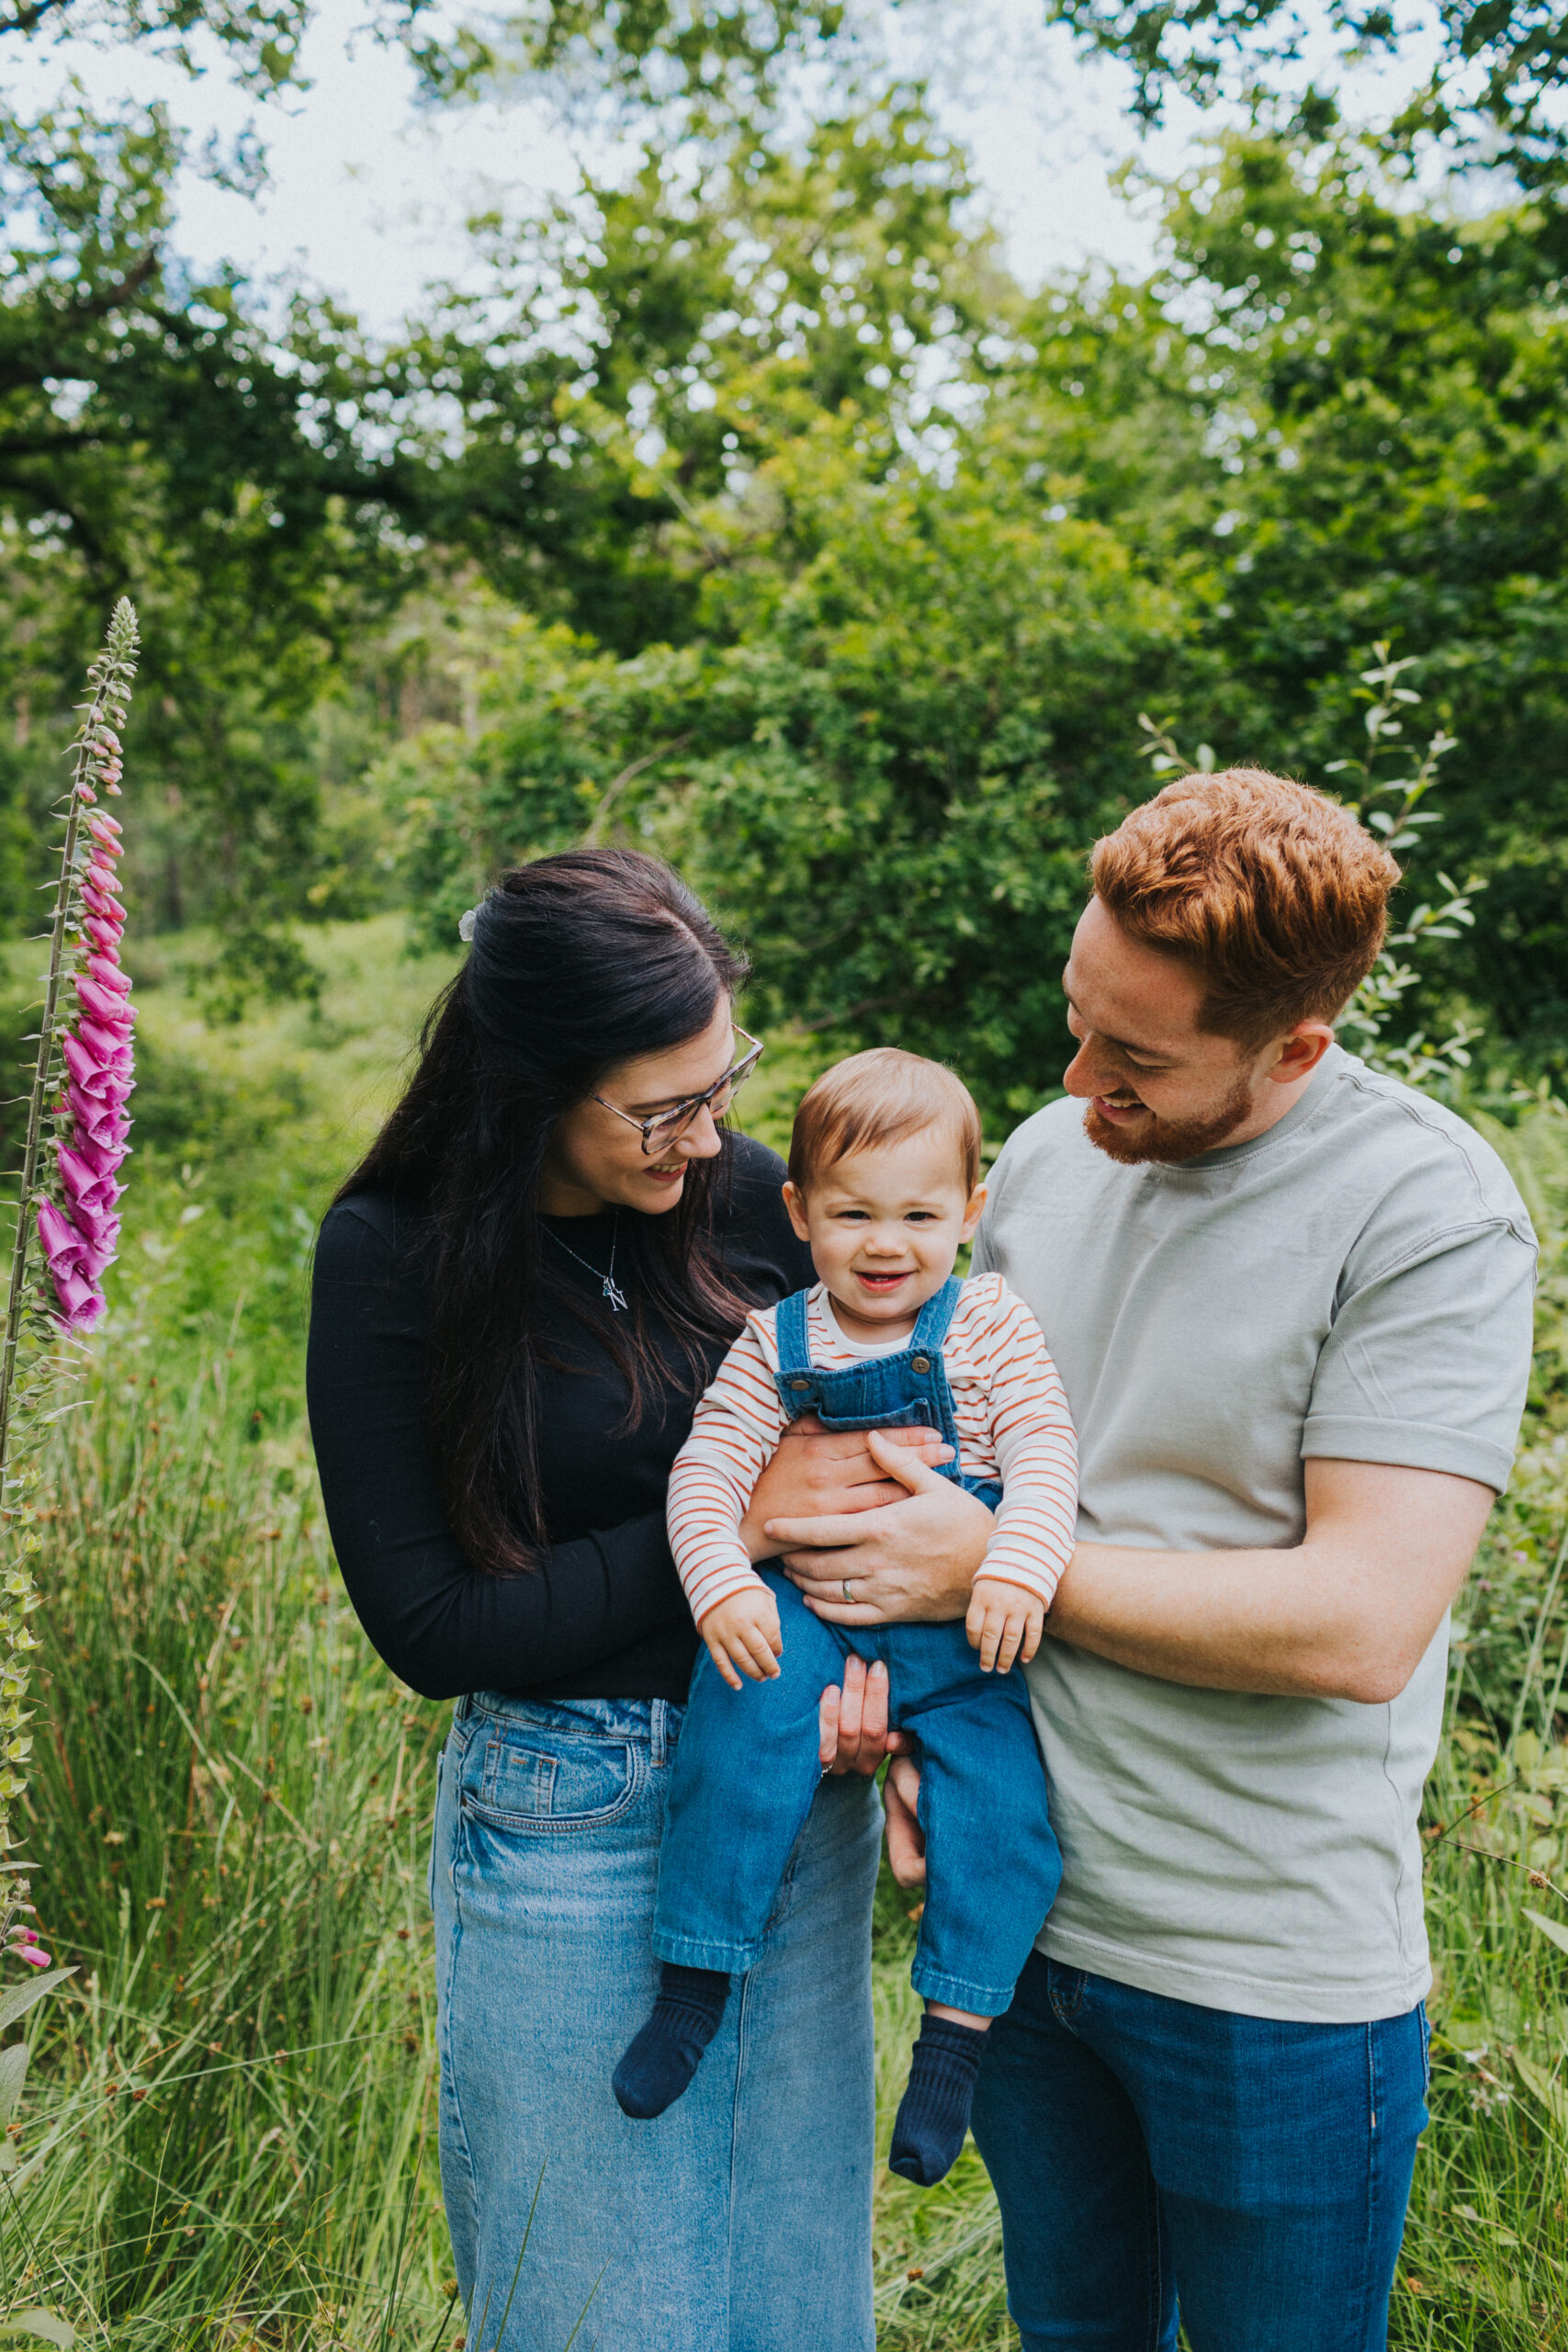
[745,1768]
[905,1391]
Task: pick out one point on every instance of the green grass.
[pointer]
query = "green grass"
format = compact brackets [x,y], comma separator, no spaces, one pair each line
[227,2137]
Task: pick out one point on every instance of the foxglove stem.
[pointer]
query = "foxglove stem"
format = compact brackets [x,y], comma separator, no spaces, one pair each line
[75,1210]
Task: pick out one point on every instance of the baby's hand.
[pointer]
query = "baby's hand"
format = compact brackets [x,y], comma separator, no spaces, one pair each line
[744,1631]
[1004,1623]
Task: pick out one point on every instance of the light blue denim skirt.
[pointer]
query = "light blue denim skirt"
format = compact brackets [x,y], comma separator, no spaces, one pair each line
[739,2221]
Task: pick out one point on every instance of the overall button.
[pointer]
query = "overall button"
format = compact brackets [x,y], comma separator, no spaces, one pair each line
[919,1363]
[800,1387]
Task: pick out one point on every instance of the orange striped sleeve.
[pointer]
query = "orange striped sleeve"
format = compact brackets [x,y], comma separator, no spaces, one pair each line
[735,1433]
[1035,1443]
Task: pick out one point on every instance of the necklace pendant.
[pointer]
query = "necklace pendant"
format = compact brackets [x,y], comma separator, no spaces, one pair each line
[615,1296]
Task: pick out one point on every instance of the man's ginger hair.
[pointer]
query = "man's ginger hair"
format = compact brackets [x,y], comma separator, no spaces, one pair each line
[1272,894]
[878,1097]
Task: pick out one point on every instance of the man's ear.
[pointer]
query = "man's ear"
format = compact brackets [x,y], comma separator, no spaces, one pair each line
[1300,1051]
[794,1201]
[972,1214]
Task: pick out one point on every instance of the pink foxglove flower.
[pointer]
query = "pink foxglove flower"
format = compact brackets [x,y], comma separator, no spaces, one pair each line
[82,1078]
[80,1231]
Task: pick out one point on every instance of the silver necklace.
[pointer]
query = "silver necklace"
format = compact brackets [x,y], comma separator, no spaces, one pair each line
[612,1291]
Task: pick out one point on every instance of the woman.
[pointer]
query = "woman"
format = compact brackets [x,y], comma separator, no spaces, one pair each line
[519,1296]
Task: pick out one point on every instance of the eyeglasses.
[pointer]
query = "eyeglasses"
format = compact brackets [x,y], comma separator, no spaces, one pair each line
[665,1126]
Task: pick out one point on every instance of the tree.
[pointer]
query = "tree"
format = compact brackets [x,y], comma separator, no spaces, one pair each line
[907,717]
[1493,98]
[1380,390]
[268,497]
[624,371]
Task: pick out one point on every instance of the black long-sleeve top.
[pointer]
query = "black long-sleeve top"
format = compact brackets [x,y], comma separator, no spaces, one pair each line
[603,1617]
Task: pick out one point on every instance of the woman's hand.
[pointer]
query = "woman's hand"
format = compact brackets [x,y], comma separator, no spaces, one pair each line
[852,1722]
[815,1474]
[913,1558]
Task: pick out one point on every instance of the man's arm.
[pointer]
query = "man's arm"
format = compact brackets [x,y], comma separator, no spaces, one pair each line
[1347,1614]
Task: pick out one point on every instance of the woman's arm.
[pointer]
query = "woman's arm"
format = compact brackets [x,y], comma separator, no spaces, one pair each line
[442,1625]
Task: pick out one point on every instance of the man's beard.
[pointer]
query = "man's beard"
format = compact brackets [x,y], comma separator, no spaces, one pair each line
[1170,1139]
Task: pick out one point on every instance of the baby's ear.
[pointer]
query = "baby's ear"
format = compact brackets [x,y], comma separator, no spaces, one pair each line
[972,1214]
[794,1201]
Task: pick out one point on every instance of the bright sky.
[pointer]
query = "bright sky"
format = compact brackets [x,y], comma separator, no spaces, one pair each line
[368,194]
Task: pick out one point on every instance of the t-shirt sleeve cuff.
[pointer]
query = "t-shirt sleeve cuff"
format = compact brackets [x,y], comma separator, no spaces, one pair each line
[1409,1446]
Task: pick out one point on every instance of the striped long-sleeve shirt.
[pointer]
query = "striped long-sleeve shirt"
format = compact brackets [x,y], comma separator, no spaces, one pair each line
[1014,1427]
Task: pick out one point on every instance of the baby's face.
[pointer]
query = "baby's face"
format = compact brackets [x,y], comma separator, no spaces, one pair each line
[884,1227]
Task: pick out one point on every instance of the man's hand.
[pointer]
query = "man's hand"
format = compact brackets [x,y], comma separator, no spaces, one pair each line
[916,1558]
[906,1840]
[744,1631]
[815,1473]
[1004,1622]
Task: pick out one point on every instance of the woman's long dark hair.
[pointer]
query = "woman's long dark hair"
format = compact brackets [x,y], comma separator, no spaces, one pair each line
[578,962]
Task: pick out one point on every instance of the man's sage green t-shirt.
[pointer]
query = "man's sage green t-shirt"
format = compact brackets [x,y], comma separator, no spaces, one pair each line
[1355,1284]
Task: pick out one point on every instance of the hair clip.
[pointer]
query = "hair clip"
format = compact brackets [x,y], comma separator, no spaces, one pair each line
[465,925]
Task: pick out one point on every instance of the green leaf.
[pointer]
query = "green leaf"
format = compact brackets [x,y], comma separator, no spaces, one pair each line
[20,1998]
[1540,2086]
[1553,1928]
[13,2072]
[42,2323]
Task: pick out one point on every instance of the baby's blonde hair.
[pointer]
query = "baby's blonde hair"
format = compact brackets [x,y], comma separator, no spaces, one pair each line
[877,1098]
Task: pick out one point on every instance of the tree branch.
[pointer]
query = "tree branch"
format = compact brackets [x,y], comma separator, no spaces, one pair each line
[28,19]
[95,306]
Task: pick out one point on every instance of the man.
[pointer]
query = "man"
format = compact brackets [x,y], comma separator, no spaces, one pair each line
[1290,1302]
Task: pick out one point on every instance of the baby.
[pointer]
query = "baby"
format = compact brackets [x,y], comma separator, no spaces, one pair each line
[885,1185]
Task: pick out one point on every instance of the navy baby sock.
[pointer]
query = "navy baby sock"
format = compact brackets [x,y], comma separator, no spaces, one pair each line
[665,2055]
[933,2114]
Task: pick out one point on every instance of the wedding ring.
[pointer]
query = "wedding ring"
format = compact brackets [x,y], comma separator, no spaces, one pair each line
[849,1596]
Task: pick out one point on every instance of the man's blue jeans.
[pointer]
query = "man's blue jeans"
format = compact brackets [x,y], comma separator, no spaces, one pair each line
[1143,2149]
[747,1771]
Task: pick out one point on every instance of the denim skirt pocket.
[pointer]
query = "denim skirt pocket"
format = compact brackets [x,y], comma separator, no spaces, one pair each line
[537,1780]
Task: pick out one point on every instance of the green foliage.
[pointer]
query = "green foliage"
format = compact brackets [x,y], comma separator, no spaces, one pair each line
[155,440]
[233,1805]
[885,766]
[635,355]
[1492,97]
[1331,418]
[262,41]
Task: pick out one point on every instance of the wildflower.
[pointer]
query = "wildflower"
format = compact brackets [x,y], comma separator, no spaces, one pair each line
[83,1078]
[74,1268]
[81,1234]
